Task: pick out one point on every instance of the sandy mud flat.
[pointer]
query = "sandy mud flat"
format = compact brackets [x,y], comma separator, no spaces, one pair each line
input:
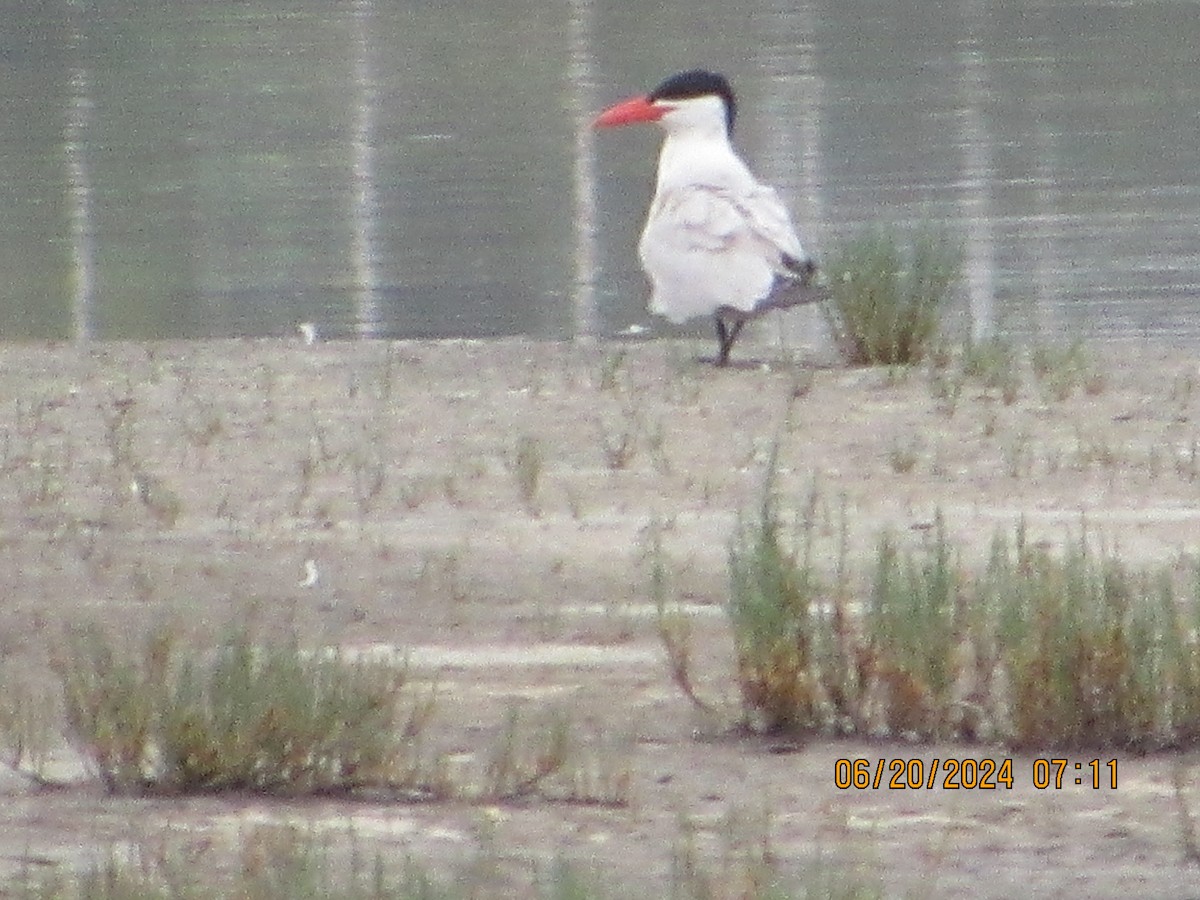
[485,506]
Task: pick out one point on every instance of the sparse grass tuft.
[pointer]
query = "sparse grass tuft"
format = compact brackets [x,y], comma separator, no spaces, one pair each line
[368,468]
[541,757]
[26,725]
[519,765]
[734,861]
[1061,370]
[1189,845]
[903,456]
[610,370]
[996,364]
[273,861]
[528,463]
[739,861]
[674,627]
[886,302]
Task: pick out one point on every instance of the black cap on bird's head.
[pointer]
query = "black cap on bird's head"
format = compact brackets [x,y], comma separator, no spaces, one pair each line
[699,83]
[654,106]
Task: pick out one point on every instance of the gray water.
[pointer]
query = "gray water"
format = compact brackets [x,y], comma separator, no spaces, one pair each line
[236,167]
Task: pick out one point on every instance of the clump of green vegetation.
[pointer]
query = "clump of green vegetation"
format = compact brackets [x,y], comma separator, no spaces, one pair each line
[777,631]
[1039,650]
[908,633]
[166,717]
[247,716]
[886,302]
[1093,654]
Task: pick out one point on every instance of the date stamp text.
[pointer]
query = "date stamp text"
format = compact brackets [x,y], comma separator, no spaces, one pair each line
[969,774]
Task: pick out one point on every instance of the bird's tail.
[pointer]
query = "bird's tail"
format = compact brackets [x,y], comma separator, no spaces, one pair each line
[799,282]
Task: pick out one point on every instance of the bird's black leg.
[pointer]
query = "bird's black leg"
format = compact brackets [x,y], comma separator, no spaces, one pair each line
[724,342]
[726,335]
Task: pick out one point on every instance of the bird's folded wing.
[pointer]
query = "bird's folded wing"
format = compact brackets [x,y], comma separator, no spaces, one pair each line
[698,218]
[713,218]
[768,217]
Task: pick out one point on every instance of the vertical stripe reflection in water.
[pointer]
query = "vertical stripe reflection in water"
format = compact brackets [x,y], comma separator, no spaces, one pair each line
[424,170]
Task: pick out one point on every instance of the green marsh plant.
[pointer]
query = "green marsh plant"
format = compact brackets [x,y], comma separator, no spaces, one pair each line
[908,640]
[1038,649]
[1094,654]
[162,717]
[783,641]
[245,716]
[886,301]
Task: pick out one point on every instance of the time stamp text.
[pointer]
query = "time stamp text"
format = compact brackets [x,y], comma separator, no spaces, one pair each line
[967,774]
